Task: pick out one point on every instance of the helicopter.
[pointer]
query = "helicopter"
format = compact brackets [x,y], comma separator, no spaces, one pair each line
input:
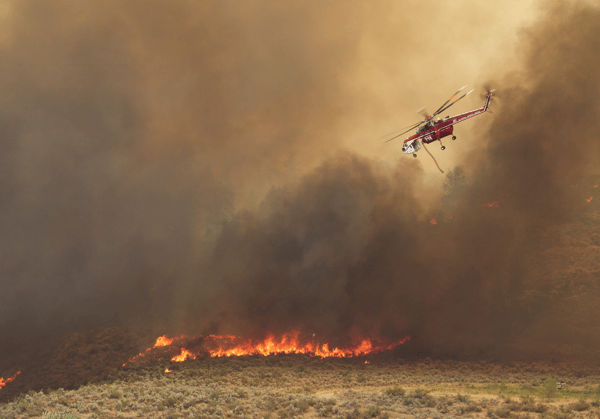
[429,130]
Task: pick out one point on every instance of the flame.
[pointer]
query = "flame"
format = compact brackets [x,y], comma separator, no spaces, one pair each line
[289,344]
[220,346]
[590,198]
[433,222]
[168,370]
[163,341]
[367,361]
[595,186]
[4,382]
[492,204]
[160,342]
[185,354]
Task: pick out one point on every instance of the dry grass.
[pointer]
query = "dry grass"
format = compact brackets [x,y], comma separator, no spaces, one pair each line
[288,386]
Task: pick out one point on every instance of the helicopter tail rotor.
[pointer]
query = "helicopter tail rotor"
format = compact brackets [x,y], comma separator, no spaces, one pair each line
[427,117]
[487,90]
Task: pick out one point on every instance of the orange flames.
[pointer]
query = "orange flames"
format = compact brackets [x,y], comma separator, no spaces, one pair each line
[590,198]
[163,341]
[220,346]
[4,382]
[185,354]
[168,370]
[492,204]
[160,342]
[433,222]
[289,344]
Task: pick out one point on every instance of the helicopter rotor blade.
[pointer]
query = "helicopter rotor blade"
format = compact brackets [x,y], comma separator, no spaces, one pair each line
[451,97]
[414,125]
[427,116]
[442,110]
[424,113]
[410,129]
[396,136]
[406,129]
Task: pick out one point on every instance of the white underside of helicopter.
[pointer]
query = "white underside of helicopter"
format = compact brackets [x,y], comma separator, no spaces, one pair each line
[411,147]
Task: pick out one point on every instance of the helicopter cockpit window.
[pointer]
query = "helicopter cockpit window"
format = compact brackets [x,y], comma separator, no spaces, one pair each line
[411,147]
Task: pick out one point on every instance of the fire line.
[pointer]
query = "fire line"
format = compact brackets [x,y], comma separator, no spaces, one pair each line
[227,346]
[4,382]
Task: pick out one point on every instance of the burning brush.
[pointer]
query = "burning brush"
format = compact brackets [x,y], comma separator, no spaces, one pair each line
[182,348]
[4,382]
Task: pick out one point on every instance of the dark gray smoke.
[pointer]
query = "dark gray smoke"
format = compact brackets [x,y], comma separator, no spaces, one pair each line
[350,251]
[130,132]
[125,130]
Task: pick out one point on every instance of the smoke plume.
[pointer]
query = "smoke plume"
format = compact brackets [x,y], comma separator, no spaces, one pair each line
[349,251]
[177,166]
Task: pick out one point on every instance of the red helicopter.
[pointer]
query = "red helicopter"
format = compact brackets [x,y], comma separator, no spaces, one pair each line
[429,130]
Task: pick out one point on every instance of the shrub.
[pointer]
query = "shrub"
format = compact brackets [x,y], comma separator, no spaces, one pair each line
[464,398]
[420,393]
[241,394]
[395,392]
[169,402]
[60,415]
[540,408]
[34,411]
[115,394]
[355,414]
[326,411]
[122,406]
[271,404]
[372,412]
[513,406]
[427,401]
[502,413]
[303,404]
[442,407]
[549,388]
[526,399]
[472,407]
[216,394]
[580,405]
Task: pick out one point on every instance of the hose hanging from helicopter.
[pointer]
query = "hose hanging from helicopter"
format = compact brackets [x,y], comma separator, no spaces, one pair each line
[434,160]
[428,131]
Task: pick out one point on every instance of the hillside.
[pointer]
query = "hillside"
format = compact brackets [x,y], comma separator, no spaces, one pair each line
[288,386]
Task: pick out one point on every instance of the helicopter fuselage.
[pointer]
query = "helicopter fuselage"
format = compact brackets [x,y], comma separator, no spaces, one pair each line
[436,130]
